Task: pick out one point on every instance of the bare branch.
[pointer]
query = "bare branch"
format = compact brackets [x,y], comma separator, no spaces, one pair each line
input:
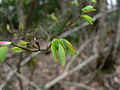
[78,51]
[83,86]
[8,77]
[78,67]
[97,16]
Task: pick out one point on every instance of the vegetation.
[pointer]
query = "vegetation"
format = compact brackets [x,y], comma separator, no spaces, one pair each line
[44,42]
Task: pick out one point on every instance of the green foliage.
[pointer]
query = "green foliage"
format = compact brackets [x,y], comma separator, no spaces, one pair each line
[37,16]
[3,53]
[23,43]
[68,47]
[75,2]
[21,26]
[53,17]
[61,55]
[93,1]
[58,47]
[87,18]
[17,50]
[54,48]
[88,9]
[8,27]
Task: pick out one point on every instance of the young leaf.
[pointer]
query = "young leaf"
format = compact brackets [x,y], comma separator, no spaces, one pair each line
[87,18]
[88,9]
[21,26]
[93,1]
[22,43]
[8,27]
[53,17]
[3,53]
[67,46]
[17,50]
[54,48]
[64,44]
[61,54]
[75,2]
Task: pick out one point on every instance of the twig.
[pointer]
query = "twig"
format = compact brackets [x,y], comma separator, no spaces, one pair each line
[78,51]
[11,73]
[78,67]
[97,16]
[65,34]
[19,71]
[78,85]
[29,57]
[8,77]
[32,50]
[24,78]
[13,69]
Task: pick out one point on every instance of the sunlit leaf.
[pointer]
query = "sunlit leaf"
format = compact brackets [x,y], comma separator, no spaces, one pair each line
[88,9]
[87,18]
[22,43]
[21,26]
[17,50]
[75,2]
[53,16]
[54,48]
[68,46]
[64,44]
[8,27]
[61,53]
[93,1]
[3,53]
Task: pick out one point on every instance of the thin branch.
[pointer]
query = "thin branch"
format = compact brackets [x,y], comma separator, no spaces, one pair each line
[8,77]
[28,81]
[97,16]
[29,57]
[77,68]
[83,86]
[13,69]
[81,48]
[32,50]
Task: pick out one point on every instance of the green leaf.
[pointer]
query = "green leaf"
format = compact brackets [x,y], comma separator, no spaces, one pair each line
[61,54]
[8,27]
[3,53]
[17,50]
[75,2]
[88,9]
[64,44]
[21,26]
[22,43]
[53,17]
[93,1]
[54,48]
[67,46]
[87,18]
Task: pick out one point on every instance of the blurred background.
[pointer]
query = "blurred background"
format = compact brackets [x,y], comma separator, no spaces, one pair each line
[97,65]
